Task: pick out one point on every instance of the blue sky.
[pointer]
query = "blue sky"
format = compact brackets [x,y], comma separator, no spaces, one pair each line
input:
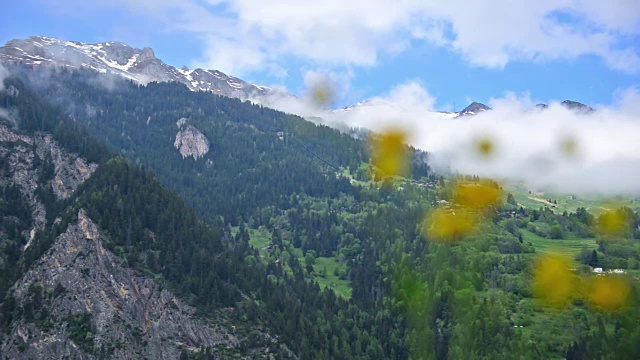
[459,52]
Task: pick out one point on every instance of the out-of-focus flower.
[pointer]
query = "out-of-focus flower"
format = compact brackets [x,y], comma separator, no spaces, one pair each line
[613,223]
[608,292]
[485,146]
[390,154]
[569,146]
[447,225]
[476,195]
[553,281]
[322,93]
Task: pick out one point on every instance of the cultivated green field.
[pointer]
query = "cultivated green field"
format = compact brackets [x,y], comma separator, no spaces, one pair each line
[338,285]
[568,247]
[259,238]
[566,202]
[341,287]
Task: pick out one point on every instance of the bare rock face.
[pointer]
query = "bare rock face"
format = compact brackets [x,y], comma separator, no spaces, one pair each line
[131,317]
[23,156]
[20,169]
[190,141]
[180,123]
[70,171]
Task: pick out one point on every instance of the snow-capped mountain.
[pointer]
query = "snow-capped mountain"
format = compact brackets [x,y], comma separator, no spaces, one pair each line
[139,65]
[473,109]
[376,105]
[142,66]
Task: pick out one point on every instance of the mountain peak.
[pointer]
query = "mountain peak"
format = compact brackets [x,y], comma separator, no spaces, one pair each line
[574,105]
[147,54]
[138,65]
[473,109]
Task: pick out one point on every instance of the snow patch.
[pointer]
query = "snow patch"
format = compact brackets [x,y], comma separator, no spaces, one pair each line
[234,85]
[131,61]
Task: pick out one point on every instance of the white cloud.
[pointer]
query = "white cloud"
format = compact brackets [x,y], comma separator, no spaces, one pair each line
[628,100]
[619,15]
[403,106]
[337,83]
[247,35]
[231,57]
[411,95]
[241,36]
[528,140]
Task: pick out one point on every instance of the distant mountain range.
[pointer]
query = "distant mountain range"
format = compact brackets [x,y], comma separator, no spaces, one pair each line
[139,65]
[142,66]
[375,106]
[476,107]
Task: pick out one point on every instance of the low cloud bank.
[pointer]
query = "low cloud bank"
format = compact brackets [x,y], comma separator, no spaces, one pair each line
[530,143]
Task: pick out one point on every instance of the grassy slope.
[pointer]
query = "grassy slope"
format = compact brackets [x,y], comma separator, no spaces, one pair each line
[569,247]
[341,287]
[338,285]
[261,238]
[566,202]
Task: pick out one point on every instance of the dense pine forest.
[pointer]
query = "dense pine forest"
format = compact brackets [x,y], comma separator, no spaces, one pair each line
[281,221]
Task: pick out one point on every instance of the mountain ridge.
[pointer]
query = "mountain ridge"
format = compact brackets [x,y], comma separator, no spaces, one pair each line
[142,66]
[138,65]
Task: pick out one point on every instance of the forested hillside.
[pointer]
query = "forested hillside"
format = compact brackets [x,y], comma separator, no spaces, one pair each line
[256,156]
[276,199]
[154,233]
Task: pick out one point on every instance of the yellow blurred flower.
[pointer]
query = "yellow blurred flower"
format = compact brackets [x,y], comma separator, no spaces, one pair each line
[569,146]
[553,281]
[485,146]
[477,196]
[390,155]
[446,225]
[613,223]
[322,93]
[608,292]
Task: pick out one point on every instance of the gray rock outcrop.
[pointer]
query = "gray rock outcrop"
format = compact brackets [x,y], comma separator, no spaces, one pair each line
[23,156]
[190,141]
[131,317]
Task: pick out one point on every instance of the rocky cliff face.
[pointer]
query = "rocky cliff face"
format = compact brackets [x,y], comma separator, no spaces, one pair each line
[34,162]
[190,141]
[93,305]
[69,171]
[79,300]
